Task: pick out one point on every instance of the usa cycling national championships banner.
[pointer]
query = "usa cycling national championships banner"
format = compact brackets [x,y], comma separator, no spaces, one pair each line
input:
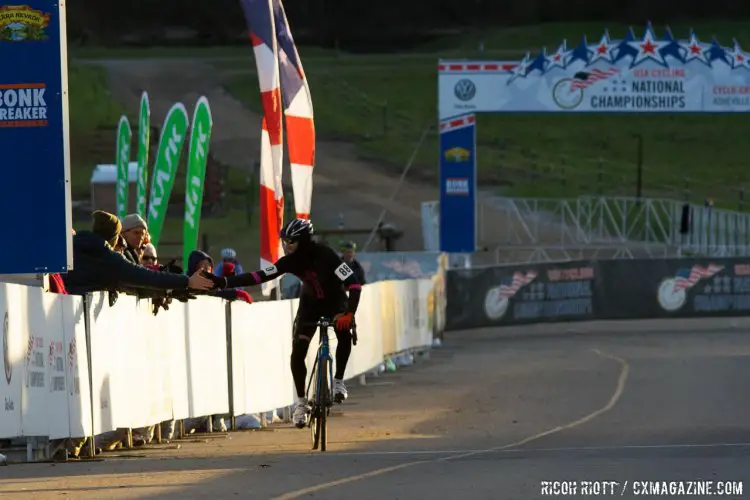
[34,139]
[458,184]
[649,73]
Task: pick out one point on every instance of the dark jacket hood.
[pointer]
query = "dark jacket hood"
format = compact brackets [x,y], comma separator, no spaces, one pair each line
[194,259]
[90,242]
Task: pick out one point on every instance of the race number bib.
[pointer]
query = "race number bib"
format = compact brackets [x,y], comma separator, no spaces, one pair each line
[343,272]
[270,270]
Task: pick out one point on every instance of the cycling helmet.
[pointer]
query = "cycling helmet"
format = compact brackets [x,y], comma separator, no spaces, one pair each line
[298,230]
[228,254]
[348,245]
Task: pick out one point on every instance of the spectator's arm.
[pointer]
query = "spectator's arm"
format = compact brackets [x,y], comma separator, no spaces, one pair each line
[225,294]
[132,275]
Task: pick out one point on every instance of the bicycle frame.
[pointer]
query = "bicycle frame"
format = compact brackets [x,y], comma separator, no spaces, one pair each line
[324,352]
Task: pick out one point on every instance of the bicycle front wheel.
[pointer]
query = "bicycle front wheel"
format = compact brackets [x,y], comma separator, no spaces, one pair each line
[319,420]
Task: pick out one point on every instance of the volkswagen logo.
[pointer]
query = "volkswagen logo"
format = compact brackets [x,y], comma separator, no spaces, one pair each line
[465,90]
[6,350]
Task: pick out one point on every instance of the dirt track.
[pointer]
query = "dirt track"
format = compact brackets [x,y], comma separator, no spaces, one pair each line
[489,416]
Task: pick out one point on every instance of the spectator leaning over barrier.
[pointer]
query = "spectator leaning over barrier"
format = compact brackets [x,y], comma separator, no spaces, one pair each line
[134,230]
[98,267]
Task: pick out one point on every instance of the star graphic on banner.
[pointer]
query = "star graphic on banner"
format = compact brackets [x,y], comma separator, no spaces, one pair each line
[739,58]
[648,49]
[624,49]
[539,63]
[604,50]
[582,52]
[696,50]
[716,51]
[560,58]
[673,48]
[521,70]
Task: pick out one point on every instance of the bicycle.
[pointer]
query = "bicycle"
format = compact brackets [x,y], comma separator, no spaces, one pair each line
[322,373]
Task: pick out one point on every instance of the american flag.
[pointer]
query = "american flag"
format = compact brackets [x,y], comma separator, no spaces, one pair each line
[687,278]
[519,281]
[282,83]
[584,80]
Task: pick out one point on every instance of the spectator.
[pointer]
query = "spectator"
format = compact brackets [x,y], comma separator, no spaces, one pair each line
[228,255]
[134,231]
[149,257]
[349,255]
[200,261]
[98,267]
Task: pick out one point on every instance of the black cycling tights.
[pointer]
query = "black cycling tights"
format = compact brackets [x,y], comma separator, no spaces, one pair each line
[299,353]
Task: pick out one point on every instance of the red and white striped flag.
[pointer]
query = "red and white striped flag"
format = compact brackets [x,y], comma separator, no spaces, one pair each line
[282,83]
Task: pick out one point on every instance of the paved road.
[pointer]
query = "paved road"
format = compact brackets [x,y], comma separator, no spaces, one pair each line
[491,415]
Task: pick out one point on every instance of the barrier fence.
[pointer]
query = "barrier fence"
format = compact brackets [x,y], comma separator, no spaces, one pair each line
[597,289]
[75,367]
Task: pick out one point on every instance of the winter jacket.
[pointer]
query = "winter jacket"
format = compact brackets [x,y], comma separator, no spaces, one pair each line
[97,267]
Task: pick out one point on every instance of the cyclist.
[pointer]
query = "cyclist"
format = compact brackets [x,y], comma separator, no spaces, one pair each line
[325,280]
[348,255]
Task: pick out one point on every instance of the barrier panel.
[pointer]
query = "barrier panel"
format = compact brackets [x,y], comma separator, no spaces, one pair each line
[76,366]
[586,290]
[261,345]
[44,362]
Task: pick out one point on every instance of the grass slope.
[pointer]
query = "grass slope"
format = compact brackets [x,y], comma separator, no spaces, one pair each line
[383,103]
[93,118]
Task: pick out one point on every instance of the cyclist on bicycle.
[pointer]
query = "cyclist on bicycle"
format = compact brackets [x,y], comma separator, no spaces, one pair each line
[325,281]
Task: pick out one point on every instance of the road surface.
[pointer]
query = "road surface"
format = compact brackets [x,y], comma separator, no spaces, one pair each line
[492,414]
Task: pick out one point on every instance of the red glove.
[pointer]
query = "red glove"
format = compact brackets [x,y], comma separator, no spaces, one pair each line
[344,321]
[243,295]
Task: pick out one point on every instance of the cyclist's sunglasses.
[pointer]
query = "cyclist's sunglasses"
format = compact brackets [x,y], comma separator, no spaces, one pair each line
[290,241]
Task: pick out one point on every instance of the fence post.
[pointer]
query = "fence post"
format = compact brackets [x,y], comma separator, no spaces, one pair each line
[600,177]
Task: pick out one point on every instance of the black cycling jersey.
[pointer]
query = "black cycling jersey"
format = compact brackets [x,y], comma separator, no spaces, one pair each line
[325,278]
[358,271]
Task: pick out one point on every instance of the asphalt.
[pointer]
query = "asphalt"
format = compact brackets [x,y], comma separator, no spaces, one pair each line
[492,414]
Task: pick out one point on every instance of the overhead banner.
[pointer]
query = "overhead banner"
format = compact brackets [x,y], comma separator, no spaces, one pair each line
[35,138]
[634,74]
[458,184]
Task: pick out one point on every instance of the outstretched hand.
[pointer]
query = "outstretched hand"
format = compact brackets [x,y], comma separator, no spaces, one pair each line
[198,282]
[216,281]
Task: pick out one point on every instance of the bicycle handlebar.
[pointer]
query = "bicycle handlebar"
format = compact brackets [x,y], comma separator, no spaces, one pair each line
[328,323]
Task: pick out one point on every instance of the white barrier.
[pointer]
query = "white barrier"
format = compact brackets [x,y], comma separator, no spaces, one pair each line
[145,369]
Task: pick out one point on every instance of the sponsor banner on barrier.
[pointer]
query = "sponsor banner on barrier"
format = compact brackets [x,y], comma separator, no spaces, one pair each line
[648,73]
[677,288]
[521,294]
[608,289]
